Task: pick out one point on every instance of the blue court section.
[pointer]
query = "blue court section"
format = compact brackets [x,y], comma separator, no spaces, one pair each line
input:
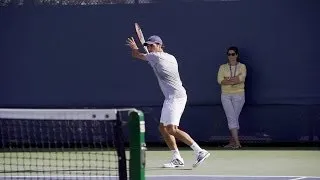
[175,177]
[212,177]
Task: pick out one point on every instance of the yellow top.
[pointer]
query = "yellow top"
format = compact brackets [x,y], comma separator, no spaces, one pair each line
[226,71]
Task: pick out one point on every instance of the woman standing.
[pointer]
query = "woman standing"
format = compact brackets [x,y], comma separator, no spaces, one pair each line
[231,77]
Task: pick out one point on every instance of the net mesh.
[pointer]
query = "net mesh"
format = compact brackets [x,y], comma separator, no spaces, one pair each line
[62,143]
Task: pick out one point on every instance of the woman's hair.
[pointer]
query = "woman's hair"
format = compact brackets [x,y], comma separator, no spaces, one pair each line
[236,50]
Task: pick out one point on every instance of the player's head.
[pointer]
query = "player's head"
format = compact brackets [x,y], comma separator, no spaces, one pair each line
[154,44]
[233,54]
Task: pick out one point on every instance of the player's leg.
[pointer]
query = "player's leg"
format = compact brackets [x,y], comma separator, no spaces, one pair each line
[201,154]
[183,137]
[170,141]
[231,118]
[174,113]
[176,160]
[238,102]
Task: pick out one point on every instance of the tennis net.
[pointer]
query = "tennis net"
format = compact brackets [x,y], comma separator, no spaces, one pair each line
[66,143]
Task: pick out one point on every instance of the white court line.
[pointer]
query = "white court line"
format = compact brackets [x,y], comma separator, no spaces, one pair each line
[298,178]
[61,176]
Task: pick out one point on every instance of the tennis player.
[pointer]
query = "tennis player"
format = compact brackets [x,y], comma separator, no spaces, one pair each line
[165,67]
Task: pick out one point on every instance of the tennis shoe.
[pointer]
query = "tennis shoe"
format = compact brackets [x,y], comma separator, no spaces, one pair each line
[174,163]
[200,157]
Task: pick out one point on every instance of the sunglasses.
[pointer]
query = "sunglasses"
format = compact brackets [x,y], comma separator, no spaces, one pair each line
[231,54]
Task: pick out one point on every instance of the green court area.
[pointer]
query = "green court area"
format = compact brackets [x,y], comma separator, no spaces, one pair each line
[221,163]
[241,163]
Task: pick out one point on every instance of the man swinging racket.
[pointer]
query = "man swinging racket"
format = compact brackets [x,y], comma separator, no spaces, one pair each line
[165,67]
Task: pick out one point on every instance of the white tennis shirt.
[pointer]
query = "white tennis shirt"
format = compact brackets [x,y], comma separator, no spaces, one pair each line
[166,69]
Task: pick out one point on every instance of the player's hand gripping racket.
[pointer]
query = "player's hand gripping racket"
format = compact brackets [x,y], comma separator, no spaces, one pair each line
[140,36]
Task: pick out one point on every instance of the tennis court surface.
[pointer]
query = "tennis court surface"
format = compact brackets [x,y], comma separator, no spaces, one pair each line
[182,177]
[88,144]
[228,177]
[222,165]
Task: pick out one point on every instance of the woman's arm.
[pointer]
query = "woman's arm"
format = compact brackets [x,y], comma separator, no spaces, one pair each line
[240,78]
[223,80]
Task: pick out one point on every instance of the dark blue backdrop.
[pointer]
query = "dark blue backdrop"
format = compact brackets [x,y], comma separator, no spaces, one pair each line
[74,57]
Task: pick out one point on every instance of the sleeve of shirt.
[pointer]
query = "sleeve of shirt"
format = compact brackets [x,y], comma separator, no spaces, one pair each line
[243,75]
[151,58]
[220,74]
[148,57]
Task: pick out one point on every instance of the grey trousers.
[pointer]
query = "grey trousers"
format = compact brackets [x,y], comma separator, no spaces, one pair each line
[232,105]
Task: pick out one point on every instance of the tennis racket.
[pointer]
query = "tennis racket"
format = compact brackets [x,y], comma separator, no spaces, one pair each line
[140,36]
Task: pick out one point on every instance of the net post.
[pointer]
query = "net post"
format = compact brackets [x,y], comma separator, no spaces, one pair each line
[137,146]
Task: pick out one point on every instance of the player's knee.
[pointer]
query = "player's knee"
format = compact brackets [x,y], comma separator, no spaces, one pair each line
[172,130]
[162,128]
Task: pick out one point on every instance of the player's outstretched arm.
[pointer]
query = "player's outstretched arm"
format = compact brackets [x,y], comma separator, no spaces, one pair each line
[135,49]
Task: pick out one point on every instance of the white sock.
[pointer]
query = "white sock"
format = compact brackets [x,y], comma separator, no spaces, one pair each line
[196,148]
[176,154]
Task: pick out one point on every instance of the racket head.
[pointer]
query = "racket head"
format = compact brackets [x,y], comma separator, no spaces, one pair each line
[140,36]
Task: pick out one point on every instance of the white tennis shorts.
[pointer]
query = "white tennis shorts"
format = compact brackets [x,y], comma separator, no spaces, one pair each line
[172,111]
